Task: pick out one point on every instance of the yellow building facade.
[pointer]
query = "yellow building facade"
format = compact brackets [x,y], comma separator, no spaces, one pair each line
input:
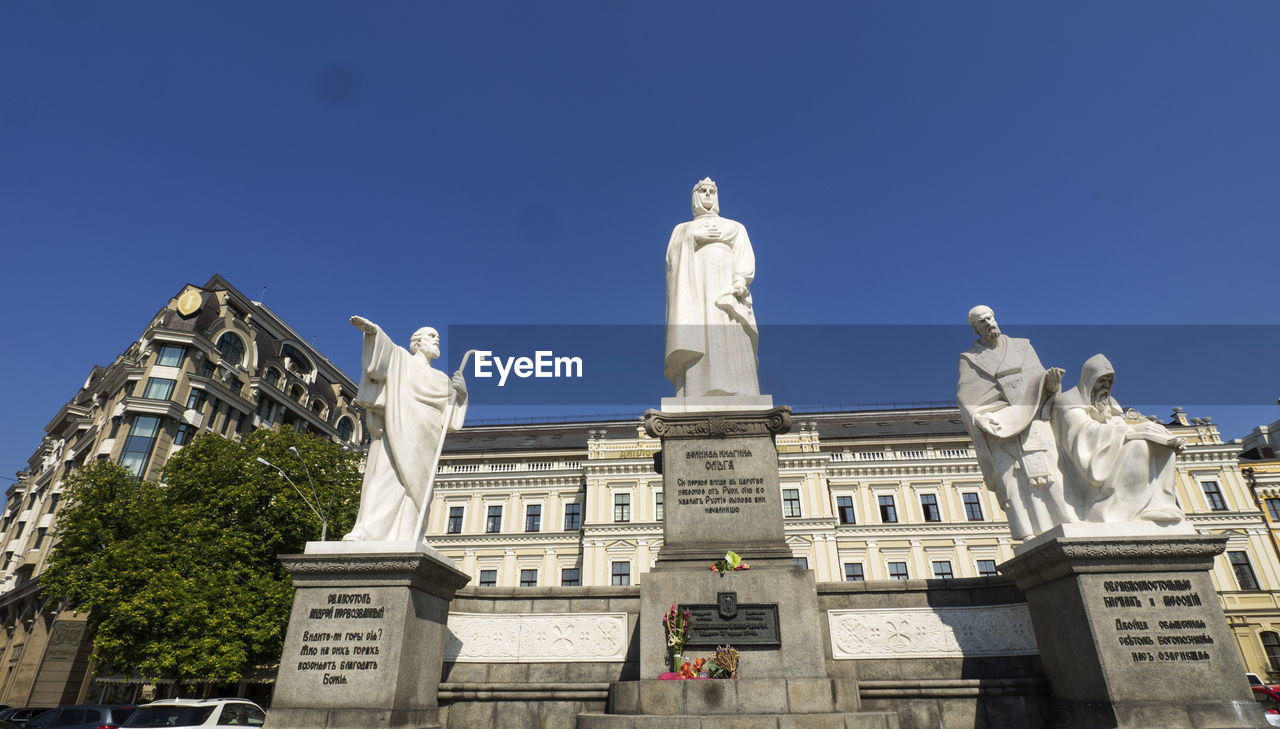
[867,495]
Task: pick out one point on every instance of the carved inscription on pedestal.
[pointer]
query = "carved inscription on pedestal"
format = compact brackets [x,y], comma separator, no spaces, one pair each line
[721,488]
[342,640]
[1159,621]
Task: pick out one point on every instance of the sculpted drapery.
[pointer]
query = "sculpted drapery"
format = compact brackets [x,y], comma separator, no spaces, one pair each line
[1002,397]
[1124,466]
[711,325]
[405,399]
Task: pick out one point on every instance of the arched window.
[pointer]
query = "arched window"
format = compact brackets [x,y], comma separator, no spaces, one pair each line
[298,392]
[1271,646]
[231,348]
[298,362]
[345,428]
[272,375]
[319,408]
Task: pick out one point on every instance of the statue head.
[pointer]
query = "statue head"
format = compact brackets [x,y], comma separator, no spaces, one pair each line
[427,341]
[983,321]
[706,198]
[1096,378]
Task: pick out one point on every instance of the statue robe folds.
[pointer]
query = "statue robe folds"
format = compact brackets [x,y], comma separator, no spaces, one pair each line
[1122,478]
[711,334]
[1004,407]
[405,398]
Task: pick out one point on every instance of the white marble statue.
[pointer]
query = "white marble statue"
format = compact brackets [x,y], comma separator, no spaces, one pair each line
[406,402]
[711,326]
[1120,463]
[1005,396]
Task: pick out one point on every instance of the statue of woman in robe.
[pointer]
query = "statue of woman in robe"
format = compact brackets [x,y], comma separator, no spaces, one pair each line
[711,325]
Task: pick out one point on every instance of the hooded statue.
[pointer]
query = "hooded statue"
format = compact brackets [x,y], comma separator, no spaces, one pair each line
[1120,464]
[711,325]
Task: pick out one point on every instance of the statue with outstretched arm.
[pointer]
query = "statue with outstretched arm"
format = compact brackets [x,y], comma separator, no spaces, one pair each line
[408,407]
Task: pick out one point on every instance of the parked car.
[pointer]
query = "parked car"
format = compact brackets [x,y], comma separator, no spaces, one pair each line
[19,717]
[1269,699]
[190,713]
[81,717]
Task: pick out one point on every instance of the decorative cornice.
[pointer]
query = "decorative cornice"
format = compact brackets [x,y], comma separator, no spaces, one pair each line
[726,424]
[1072,556]
[409,569]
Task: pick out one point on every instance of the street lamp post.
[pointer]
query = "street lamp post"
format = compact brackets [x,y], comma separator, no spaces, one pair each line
[324,521]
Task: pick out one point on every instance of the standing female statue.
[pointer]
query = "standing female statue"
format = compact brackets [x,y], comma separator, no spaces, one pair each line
[711,326]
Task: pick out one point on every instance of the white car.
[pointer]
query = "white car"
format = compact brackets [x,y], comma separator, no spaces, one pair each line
[191,713]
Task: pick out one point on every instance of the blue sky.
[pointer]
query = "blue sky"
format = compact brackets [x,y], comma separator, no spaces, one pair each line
[523,163]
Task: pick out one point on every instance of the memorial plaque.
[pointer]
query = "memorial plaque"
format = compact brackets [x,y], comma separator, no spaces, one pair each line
[752,625]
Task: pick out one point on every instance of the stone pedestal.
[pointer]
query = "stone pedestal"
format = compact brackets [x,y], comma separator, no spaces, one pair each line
[366,640]
[721,492]
[1131,633]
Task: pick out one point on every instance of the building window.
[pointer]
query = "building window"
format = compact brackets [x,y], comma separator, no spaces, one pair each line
[791,502]
[929,507]
[345,428]
[231,349]
[942,570]
[897,570]
[972,507]
[39,537]
[853,572]
[1244,571]
[196,400]
[657,506]
[801,562]
[533,518]
[888,511]
[572,517]
[621,574]
[488,578]
[183,434]
[171,356]
[1273,509]
[1271,646]
[206,369]
[528,578]
[1213,495]
[455,520]
[622,507]
[137,447]
[570,577]
[159,388]
[844,510]
[986,568]
[494,522]
[271,375]
[295,360]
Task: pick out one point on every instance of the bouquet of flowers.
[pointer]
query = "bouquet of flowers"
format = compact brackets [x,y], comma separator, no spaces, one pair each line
[724,664]
[677,625]
[731,563]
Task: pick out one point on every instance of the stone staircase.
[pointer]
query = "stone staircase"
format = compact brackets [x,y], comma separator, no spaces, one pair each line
[744,703]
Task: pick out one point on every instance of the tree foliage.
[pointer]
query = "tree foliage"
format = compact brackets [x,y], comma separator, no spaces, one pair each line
[180,579]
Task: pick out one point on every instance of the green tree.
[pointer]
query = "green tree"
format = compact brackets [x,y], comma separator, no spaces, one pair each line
[180,579]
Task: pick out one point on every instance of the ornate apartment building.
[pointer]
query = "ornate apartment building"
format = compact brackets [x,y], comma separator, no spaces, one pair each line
[877,495]
[211,360]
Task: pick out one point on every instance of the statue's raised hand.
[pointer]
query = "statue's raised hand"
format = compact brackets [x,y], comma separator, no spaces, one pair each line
[364,325]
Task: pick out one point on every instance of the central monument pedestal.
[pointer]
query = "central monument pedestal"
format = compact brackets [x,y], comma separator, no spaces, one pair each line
[1131,634]
[720,493]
